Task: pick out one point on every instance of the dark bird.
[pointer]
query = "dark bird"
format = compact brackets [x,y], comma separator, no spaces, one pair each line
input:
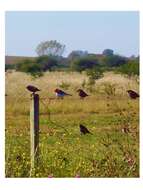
[61,94]
[84,130]
[125,130]
[81,93]
[32,89]
[133,94]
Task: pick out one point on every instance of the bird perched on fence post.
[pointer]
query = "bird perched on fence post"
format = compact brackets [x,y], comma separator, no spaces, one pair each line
[82,94]
[133,94]
[84,130]
[32,89]
[61,94]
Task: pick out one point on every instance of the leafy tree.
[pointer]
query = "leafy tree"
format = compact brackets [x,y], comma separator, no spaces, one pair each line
[29,67]
[114,60]
[82,64]
[46,62]
[51,48]
[77,54]
[108,52]
[130,68]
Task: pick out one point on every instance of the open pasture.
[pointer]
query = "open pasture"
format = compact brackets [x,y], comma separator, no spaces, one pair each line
[64,152]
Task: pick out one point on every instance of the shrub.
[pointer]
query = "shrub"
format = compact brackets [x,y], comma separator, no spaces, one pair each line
[9,67]
[114,60]
[29,67]
[95,73]
[46,62]
[82,64]
[130,68]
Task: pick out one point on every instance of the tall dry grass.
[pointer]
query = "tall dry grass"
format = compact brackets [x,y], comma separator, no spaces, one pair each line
[16,82]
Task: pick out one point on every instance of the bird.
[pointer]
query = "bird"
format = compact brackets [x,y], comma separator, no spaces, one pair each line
[84,130]
[32,89]
[82,94]
[133,94]
[125,130]
[61,94]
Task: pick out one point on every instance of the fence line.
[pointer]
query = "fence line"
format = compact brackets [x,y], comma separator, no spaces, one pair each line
[34,128]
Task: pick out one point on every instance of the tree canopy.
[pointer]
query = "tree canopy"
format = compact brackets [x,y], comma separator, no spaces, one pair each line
[51,48]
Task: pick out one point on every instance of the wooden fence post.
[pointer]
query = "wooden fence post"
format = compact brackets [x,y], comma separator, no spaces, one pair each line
[34,130]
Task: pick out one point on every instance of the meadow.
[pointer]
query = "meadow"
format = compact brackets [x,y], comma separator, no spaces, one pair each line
[64,152]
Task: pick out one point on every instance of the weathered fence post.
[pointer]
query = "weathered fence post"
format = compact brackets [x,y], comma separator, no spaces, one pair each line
[34,130]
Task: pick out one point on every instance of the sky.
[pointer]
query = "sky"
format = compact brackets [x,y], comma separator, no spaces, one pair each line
[91,31]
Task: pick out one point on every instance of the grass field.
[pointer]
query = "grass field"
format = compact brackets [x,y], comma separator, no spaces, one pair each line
[64,152]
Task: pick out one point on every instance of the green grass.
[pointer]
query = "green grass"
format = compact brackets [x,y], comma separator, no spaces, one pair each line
[64,152]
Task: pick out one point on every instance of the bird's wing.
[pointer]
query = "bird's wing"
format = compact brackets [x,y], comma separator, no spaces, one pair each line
[84,93]
[61,92]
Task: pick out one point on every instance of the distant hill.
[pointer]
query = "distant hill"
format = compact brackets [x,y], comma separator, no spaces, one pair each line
[15,59]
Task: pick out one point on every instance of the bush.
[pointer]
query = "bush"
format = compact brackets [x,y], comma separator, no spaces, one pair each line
[114,61]
[131,68]
[9,67]
[29,67]
[95,73]
[38,66]
[82,64]
[46,62]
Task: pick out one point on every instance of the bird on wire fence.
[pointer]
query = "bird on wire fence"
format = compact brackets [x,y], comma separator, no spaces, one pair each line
[82,94]
[61,94]
[133,94]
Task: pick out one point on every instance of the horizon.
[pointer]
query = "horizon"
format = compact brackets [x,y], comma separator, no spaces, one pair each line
[91,31]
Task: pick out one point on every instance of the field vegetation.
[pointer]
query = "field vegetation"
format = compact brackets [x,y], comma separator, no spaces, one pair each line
[110,152]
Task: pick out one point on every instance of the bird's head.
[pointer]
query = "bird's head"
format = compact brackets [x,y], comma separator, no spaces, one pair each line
[28,86]
[129,91]
[56,90]
[79,90]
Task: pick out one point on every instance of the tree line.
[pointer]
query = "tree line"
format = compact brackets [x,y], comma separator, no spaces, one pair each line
[50,59]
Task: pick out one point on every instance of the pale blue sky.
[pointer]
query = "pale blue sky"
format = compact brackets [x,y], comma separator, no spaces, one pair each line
[91,31]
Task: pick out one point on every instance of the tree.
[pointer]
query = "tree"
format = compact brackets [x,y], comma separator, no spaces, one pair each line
[108,52]
[130,68]
[30,67]
[51,48]
[114,60]
[46,62]
[82,64]
[77,54]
